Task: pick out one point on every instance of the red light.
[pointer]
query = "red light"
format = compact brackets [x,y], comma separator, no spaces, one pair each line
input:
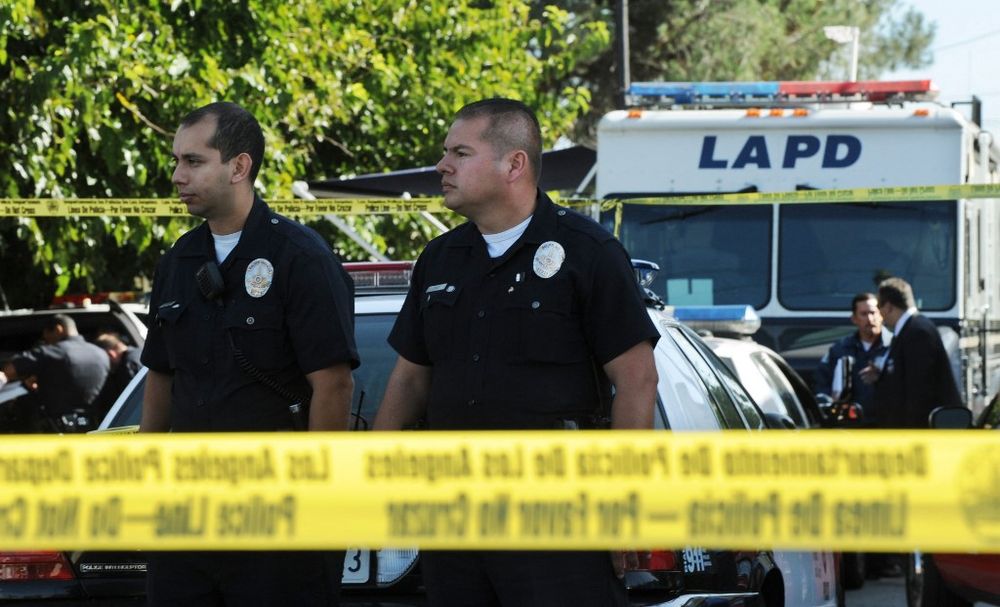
[27,566]
[656,560]
[372,275]
[872,90]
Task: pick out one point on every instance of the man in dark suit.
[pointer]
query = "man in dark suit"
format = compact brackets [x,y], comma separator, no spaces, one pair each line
[916,375]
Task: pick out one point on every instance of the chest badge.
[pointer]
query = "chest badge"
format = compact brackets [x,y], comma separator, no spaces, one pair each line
[548,259]
[258,278]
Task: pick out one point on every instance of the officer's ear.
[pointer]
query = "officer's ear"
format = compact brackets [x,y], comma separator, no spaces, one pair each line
[517,165]
[241,166]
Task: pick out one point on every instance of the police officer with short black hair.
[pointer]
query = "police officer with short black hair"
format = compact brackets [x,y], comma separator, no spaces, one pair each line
[252,330]
[518,319]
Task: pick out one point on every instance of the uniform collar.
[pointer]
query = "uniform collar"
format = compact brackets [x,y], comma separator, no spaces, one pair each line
[253,229]
[201,244]
[541,228]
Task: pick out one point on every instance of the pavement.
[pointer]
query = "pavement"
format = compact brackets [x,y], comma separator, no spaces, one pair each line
[883,592]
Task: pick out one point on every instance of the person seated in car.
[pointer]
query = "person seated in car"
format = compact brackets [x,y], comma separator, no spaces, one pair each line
[125,364]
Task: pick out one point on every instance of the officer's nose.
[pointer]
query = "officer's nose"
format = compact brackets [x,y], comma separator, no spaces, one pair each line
[177,178]
[442,167]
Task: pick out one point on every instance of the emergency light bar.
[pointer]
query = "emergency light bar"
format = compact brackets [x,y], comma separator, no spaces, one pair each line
[743,93]
[369,276]
[741,320]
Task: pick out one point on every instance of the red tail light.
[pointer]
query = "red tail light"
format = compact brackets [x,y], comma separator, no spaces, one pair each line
[656,560]
[28,566]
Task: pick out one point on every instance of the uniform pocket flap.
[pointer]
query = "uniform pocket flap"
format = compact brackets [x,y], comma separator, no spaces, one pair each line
[253,317]
[170,311]
[447,295]
[555,301]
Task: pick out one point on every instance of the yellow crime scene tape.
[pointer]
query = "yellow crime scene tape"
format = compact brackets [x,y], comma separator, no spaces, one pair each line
[879,194]
[839,490]
[156,207]
[159,207]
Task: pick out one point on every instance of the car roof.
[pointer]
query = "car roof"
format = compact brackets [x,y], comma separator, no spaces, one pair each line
[379,303]
[725,346]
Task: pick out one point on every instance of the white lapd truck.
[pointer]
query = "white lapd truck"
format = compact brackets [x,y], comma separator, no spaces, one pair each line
[799,265]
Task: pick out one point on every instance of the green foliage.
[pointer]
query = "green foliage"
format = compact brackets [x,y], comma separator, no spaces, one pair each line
[706,40]
[90,91]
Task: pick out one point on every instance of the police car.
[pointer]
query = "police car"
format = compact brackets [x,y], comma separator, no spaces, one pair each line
[696,392]
[782,395]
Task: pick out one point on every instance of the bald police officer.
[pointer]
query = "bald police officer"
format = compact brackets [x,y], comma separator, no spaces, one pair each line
[517,320]
[252,314]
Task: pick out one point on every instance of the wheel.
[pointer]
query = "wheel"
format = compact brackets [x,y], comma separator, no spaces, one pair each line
[924,586]
[852,567]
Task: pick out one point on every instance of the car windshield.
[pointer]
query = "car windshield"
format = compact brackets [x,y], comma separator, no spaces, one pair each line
[708,255]
[371,331]
[830,252]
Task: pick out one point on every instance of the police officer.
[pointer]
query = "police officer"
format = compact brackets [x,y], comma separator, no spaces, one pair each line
[866,345]
[66,373]
[516,320]
[125,363]
[251,314]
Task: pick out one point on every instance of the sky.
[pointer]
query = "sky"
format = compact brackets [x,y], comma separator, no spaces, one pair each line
[966,53]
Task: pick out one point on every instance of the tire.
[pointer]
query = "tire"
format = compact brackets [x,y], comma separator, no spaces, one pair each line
[924,586]
[852,567]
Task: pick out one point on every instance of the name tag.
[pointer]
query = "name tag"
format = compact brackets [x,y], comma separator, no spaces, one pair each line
[435,288]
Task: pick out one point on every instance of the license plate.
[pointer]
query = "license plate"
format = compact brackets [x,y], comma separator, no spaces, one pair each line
[357,566]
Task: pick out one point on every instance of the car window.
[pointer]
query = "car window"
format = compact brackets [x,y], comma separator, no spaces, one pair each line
[789,402]
[130,412]
[767,390]
[683,395]
[751,414]
[377,360]
[726,408]
[377,357]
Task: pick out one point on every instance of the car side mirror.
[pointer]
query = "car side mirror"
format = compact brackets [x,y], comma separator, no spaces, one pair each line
[778,421]
[951,418]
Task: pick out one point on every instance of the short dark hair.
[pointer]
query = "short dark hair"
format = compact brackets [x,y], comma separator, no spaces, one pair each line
[512,126]
[236,132]
[896,291]
[860,297]
[60,320]
[108,341]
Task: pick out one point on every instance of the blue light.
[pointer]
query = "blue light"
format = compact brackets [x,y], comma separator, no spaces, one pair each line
[715,313]
[689,92]
[737,89]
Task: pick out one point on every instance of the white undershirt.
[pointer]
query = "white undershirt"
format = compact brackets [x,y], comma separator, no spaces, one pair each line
[225,244]
[902,320]
[497,244]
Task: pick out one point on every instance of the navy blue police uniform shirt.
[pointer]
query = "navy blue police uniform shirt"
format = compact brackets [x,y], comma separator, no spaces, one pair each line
[509,348]
[288,306]
[70,373]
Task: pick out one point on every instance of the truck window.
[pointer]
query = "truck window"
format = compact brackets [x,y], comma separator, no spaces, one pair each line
[827,253]
[708,255]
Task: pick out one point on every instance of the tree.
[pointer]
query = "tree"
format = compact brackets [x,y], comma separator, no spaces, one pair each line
[708,40]
[92,91]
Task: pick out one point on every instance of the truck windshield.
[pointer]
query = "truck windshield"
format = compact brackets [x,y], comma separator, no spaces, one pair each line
[830,252]
[708,255]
